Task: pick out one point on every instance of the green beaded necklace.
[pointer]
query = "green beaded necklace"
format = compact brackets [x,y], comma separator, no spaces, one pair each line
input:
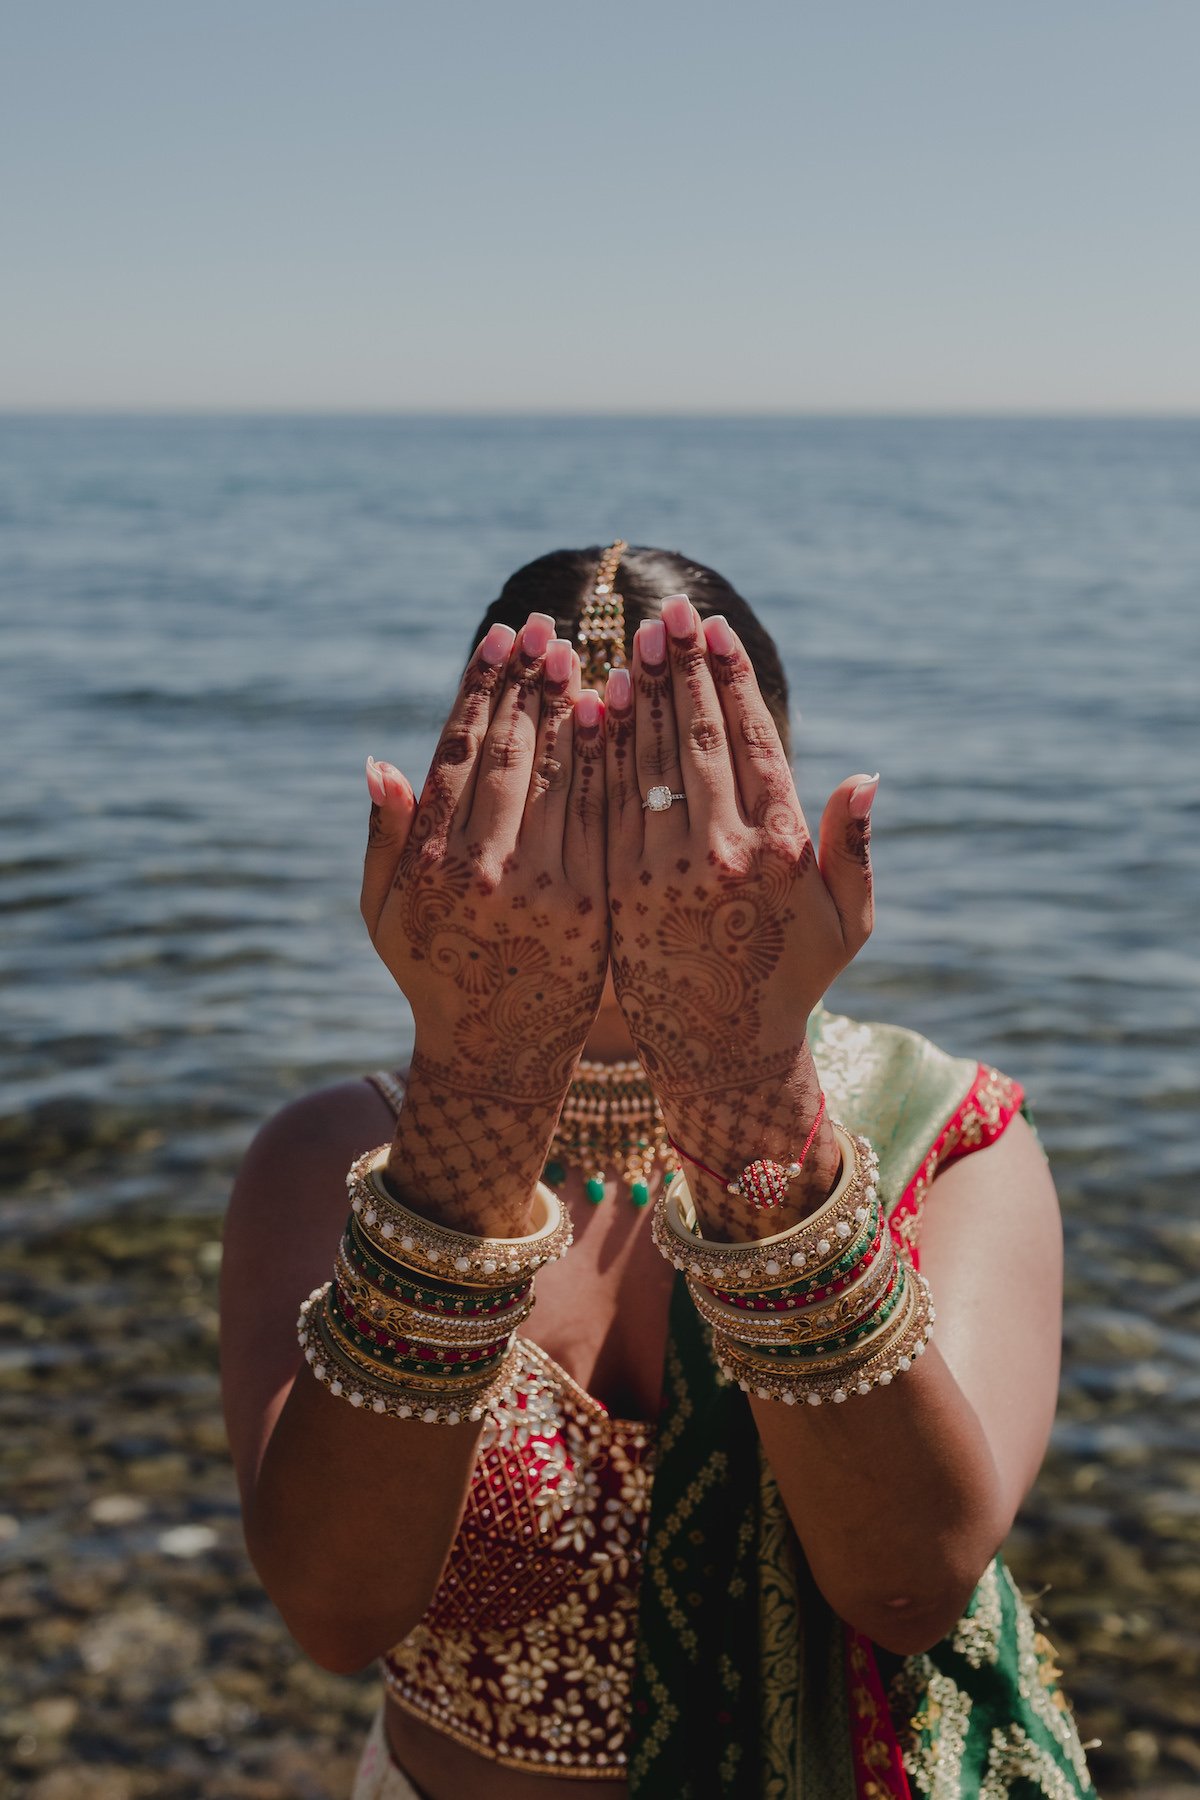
[610,1120]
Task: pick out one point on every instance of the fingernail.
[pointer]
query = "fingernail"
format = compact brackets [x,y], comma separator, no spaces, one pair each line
[619,691]
[652,643]
[718,636]
[375,782]
[560,658]
[539,629]
[587,710]
[862,797]
[677,616]
[497,644]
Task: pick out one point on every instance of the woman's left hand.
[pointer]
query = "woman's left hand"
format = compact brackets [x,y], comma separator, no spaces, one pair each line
[727,924]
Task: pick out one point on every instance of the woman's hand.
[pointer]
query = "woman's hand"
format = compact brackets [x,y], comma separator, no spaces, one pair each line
[487,902]
[727,926]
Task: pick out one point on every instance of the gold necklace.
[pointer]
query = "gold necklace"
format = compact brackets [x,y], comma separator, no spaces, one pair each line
[610,1119]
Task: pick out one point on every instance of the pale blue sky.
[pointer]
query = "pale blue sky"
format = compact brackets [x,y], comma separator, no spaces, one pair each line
[870,205]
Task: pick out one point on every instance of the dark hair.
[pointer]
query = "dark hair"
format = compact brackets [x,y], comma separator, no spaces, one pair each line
[561,583]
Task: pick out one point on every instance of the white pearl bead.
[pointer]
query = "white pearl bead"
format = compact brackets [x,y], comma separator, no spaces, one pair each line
[694,1269]
[489,1267]
[745,1386]
[823,1247]
[335,1387]
[389,1230]
[310,1355]
[371,1215]
[905,1363]
[378,1406]
[772,1267]
[788,1398]
[864,1387]
[813,1399]
[405,1412]
[356,1204]
[452,1418]
[462,1262]
[356,1399]
[799,1260]
[719,1271]
[763,1393]
[839,1394]
[861,1214]
[678,1261]
[430,1415]
[434,1255]
[303,1338]
[842,1229]
[406,1242]
[885,1377]
[319,1371]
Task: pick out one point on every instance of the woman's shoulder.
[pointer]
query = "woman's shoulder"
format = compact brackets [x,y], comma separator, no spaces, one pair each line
[906,1093]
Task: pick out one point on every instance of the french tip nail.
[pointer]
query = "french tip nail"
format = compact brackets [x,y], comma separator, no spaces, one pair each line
[376,785]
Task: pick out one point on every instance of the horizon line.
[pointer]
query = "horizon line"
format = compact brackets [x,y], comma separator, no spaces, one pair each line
[187,410]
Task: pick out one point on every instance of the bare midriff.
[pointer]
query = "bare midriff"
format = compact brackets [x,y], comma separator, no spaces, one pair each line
[446,1770]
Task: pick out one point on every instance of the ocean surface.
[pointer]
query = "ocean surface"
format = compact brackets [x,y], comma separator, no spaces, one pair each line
[207,624]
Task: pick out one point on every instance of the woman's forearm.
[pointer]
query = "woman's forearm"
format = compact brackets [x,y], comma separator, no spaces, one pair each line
[895,1498]
[352,1515]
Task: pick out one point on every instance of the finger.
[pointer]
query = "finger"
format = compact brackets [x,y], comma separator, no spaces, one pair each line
[708,777]
[844,857]
[622,795]
[550,782]
[505,762]
[656,733]
[393,809]
[450,772]
[760,765]
[583,836]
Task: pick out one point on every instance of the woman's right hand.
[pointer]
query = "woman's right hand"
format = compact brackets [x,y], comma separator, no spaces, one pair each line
[487,902]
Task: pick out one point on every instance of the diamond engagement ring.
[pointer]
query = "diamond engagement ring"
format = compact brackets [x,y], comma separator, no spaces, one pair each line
[659,799]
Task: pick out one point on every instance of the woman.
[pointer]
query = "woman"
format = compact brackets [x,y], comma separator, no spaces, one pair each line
[640,1538]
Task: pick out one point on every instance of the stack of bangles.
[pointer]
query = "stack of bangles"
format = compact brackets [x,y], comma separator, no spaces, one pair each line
[821,1311]
[418,1321]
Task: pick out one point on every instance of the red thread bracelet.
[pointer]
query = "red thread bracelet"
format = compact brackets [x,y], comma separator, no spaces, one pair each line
[762,1182]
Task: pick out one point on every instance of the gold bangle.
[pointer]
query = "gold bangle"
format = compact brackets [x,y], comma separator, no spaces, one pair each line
[805,1325]
[410,1401]
[401,1319]
[814,1242]
[456,1256]
[835,1381]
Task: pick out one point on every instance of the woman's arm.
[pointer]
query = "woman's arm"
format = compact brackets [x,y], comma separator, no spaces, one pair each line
[902,1496]
[729,923]
[487,904]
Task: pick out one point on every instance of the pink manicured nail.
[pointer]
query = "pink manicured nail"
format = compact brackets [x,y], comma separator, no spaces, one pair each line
[718,636]
[863,797]
[539,629]
[652,643]
[375,782]
[587,710]
[619,691]
[678,616]
[560,659]
[497,644]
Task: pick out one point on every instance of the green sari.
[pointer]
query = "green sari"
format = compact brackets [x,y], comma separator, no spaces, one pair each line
[747,1686]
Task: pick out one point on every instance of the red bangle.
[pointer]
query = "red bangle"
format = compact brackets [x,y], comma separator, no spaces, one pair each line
[763,1182]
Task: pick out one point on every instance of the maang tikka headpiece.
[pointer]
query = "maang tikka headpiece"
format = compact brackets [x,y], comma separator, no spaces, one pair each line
[601,634]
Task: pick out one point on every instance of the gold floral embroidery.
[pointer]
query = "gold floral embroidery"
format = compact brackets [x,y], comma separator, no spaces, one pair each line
[977,1634]
[526,1653]
[1037,1682]
[1013,1757]
[933,1735]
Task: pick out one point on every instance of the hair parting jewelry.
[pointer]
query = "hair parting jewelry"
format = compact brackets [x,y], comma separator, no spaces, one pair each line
[601,630]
